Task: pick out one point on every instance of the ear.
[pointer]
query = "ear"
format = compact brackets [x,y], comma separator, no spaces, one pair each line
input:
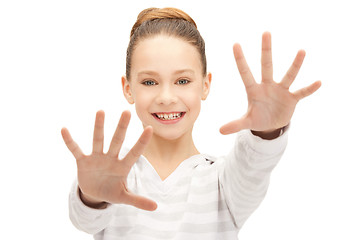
[206,86]
[127,90]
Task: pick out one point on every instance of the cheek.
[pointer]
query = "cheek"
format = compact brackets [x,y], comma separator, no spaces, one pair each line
[142,101]
[141,96]
[192,98]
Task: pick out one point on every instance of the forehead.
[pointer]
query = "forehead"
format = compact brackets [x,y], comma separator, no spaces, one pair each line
[165,54]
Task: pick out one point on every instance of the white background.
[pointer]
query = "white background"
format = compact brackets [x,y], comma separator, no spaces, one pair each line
[61,61]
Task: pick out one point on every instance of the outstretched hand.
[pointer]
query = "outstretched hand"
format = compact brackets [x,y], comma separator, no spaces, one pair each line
[270,104]
[102,176]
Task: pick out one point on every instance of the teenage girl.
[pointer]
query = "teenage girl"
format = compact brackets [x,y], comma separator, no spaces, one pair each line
[163,188]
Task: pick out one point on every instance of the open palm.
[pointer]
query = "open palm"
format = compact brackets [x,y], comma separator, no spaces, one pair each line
[270,104]
[102,176]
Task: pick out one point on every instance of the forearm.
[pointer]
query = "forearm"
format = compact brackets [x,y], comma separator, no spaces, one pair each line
[246,173]
[85,218]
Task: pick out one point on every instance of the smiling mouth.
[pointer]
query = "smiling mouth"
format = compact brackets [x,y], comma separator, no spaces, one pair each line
[168,116]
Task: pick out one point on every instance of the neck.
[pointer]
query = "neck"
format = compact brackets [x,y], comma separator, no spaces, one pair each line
[165,155]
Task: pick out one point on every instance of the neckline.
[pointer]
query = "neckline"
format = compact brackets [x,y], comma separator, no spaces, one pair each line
[190,162]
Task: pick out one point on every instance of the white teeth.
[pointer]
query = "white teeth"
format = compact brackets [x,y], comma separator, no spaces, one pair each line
[171,116]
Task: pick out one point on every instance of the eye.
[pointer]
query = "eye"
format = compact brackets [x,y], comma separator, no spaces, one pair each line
[182,82]
[148,82]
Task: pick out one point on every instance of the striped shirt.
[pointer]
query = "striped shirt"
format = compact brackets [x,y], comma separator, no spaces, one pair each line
[204,198]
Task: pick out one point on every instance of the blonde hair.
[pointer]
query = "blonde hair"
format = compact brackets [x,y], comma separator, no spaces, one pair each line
[169,21]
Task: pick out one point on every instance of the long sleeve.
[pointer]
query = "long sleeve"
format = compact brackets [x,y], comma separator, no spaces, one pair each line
[85,218]
[246,172]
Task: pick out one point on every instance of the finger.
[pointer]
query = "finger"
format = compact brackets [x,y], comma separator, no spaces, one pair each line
[71,144]
[266,59]
[236,126]
[293,70]
[139,202]
[138,148]
[119,134]
[307,91]
[98,140]
[243,67]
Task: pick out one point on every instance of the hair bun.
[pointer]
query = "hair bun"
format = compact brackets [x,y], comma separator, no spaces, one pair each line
[160,13]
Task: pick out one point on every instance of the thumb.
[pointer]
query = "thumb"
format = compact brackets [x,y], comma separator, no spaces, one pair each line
[235,126]
[140,202]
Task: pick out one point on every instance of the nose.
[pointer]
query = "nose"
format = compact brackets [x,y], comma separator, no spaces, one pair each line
[166,96]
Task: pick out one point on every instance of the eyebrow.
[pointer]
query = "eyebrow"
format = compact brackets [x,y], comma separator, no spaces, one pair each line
[184,71]
[149,72]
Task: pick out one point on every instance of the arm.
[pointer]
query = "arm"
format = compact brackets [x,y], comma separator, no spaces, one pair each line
[246,174]
[86,218]
[247,168]
[102,177]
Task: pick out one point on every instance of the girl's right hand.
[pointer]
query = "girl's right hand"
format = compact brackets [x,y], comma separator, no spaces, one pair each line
[102,176]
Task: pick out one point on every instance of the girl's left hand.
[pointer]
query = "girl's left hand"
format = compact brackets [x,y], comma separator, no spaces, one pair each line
[270,104]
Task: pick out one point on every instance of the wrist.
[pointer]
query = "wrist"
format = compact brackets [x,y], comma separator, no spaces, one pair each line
[269,134]
[92,202]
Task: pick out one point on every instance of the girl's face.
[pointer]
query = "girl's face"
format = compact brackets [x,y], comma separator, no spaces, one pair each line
[167,85]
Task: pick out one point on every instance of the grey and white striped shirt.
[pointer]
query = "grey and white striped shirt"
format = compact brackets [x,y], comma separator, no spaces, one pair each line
[204,198]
